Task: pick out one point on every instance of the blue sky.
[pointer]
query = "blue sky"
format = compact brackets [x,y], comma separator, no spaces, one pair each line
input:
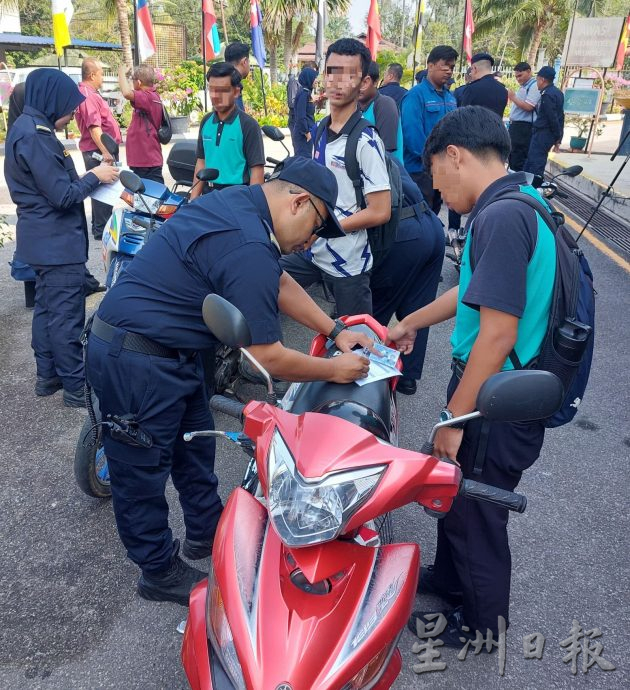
[357,14]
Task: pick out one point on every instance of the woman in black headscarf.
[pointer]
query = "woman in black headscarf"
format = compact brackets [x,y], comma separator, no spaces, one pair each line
[304,114]
[51,227]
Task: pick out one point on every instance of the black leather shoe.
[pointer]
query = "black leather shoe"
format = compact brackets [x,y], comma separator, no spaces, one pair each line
[406,386]
[453,634]
[74,398]
[173,584]
[45,387]
[97,236]
[91,289]
[196,550]
[429,584]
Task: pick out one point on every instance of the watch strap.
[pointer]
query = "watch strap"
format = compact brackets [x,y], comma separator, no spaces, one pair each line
[338,327]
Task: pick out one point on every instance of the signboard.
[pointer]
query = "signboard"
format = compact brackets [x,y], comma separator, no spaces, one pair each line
[581,101]
[592,41]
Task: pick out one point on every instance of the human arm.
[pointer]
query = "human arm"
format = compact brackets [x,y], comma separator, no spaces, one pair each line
[547,110]
[524,105]
[377,211]
[254,149]
[414,134]
[89,117]
[387,118]
[257,174]
[301,125]
[197,185]
[125,87]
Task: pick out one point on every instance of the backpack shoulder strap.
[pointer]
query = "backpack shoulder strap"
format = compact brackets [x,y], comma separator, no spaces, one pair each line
[352,164]
[323,123]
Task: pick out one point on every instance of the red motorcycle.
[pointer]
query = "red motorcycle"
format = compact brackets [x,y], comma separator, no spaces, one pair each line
[302,592]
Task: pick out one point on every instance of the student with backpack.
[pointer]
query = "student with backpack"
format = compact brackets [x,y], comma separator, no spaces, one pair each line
[503,307]
[144,151]
[303,115]
[344,263]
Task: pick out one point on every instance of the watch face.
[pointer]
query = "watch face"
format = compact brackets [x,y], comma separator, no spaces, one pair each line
[444,416]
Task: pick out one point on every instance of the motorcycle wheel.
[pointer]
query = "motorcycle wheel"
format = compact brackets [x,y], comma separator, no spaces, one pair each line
[116,267]
[90,462]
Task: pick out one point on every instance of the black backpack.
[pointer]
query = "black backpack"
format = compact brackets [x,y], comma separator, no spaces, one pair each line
[165,130]
[293,88]
[380,237]
[567,348]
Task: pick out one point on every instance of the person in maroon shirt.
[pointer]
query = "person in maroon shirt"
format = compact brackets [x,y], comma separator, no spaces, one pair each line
[94,118]
[144,151]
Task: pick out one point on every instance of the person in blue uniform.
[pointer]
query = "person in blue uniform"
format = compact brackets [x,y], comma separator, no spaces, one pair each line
[548,128]
[143,365]
[409,276]
[51,228]
[303,119]
[390,85]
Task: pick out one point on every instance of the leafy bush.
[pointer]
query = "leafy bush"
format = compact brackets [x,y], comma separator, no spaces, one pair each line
[178,87]
[277,108]
[123,118]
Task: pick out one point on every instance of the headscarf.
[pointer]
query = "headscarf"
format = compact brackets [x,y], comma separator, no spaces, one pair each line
[307,78]
[52,93]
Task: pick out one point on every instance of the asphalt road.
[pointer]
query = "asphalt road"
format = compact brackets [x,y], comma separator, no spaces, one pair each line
[69,614]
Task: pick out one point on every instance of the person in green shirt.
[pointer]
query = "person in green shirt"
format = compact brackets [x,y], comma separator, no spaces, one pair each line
[229,139]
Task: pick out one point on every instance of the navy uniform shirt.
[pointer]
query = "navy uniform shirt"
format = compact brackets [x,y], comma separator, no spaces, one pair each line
[487,92]
[44,185]
[550,112]
[394,90]
[220,243]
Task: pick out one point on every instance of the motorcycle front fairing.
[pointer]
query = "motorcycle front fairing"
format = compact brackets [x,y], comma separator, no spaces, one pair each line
[266,625]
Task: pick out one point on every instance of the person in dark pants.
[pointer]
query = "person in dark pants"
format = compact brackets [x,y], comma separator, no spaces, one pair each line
[51,228]
[303,119]
[94,118]
[390,85]
[143,364]
[501,308]
[408,277]
[421,109]
[484,89]
[144,151]
[522,114]
[548,129]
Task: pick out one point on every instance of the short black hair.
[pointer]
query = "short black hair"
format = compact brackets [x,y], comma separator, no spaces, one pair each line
[420,75]
[374,71]
[350,46]
[472,127]
[522,67]
[446,53]
[236,51]
[396,70]
[482,57]
[224,69]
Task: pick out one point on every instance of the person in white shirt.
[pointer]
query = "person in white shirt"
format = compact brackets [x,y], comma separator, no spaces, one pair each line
[344,263]
[522,114]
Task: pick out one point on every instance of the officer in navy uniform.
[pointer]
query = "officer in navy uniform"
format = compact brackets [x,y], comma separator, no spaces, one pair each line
[142,354]
[409,276]
[51,228]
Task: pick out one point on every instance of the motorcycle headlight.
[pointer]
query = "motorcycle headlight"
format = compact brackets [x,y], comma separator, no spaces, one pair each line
[220,633]
[306,511]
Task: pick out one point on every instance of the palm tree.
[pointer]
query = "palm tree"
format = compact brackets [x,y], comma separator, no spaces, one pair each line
[120,9]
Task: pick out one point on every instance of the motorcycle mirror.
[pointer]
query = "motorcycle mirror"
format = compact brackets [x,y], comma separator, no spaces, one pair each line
[520,396]
[537,181]
[226,322]
[573,171]
[274,133]
[131,181]
[207,174]
[110,144]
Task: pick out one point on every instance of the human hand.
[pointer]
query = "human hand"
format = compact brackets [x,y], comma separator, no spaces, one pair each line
[511,95]
[106,173]
[308,136]
[108,159]
[447,442]
[346,340]
[402,337]
[349,367]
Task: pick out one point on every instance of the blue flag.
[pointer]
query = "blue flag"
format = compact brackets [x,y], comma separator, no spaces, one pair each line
[258,42]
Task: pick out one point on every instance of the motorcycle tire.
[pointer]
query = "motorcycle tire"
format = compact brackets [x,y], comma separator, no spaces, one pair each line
[90,461]
[116,267]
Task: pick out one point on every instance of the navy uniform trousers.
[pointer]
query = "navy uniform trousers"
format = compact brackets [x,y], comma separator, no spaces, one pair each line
[408,279]
[473,552]
[167,397]
[539,147]
[58,320]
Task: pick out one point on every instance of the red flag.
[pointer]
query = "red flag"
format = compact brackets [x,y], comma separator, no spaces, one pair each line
[374,28]
[469,30]
[622,51]
[210,31]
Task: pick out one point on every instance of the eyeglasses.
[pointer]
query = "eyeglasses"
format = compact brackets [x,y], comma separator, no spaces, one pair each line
[322,222]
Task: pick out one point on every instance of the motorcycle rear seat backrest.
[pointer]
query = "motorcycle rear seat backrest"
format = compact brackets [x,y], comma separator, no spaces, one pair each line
[329,398]
[181,161]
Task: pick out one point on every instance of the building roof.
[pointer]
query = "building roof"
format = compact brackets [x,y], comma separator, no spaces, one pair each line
[20,42]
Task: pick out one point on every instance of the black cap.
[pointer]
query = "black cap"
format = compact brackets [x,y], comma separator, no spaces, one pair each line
[319,181]
[548,73]
[482,56]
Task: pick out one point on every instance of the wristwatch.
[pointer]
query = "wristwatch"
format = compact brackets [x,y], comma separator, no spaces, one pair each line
[446,415]
[339,326]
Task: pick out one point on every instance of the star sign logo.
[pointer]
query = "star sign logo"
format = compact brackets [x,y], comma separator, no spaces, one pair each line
[284,686]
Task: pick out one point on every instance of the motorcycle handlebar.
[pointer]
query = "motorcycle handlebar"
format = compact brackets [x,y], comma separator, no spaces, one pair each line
[273,161]
[492,494]
[232,408]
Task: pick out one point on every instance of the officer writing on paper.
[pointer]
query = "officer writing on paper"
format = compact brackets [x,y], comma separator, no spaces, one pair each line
[143,364]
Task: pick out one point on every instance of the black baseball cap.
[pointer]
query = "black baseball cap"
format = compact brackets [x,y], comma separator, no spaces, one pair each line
[482,56]
[319,181]
[548,73]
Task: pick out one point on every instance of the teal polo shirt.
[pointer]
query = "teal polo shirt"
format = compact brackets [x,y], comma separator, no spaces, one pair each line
[233,146]
[514,257]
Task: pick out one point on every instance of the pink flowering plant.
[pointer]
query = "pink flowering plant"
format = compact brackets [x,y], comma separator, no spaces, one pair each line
[178,87]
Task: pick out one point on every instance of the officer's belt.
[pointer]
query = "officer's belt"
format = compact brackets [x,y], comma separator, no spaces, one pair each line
[132,341]
[415,210]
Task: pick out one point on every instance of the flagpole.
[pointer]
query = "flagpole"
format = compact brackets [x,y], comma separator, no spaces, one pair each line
[136,57]
[203,55]
[225,36]
[461,55]
[262,84]
[418,29]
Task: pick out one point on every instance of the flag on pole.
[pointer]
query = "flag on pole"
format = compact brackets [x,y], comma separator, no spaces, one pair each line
[210,30]
[469,30]
[62,11]
[624,45]
[419,17]
[258,42]
[146,36]
[319,33]
[373,28]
